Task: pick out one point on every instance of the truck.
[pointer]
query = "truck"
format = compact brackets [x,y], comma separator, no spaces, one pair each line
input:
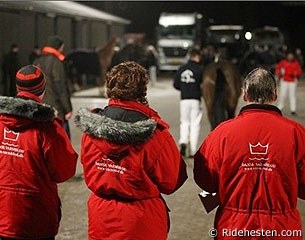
[229,40]
[176,34]
[267,36]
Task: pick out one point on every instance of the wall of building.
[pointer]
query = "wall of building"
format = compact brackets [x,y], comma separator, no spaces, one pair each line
[28,29]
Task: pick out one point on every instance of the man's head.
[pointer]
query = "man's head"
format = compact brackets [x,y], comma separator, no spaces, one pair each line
[290,55]
[195,54]
[127,81]
[37,49]
[31,79]
[56,42]
[14,48]
[260,87]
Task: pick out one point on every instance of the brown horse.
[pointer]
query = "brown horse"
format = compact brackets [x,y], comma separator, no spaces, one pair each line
[221,89]
[105,55]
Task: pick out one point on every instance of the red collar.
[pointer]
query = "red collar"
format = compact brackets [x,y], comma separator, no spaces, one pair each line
[30,96]
[136,106]
[53,51]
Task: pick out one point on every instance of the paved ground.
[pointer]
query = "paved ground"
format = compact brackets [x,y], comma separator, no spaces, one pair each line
[188,220]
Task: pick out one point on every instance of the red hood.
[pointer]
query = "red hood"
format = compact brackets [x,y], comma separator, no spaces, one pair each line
[114,136]
[23,111]
[115,151]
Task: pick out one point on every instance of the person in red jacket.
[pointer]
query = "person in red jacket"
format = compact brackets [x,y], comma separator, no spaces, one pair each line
[35,155]
[256,164]
[129,158]
[288,72]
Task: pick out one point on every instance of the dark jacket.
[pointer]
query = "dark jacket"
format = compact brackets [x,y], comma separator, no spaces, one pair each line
[129,158]
[188,79]
[35,154]
[57,91]
[256,162]
[10,66]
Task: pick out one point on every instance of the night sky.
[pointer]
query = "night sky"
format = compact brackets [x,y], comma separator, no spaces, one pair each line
[290,18]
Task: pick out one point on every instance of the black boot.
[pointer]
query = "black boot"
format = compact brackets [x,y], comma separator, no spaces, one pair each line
[183,149]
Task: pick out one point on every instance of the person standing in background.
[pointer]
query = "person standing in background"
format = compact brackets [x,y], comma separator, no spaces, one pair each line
[10,66]
[288,71]
[57,89]
[34,54]
[188,80]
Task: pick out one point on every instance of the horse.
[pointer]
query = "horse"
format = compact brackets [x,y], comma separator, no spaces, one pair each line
[132,52]
[106,54]
[91,62]
[221,89]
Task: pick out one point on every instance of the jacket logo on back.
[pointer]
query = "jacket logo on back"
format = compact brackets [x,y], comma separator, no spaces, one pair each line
[258,159]
[11,136]
[258,149]
[187,76]
[9,145]
[107,165]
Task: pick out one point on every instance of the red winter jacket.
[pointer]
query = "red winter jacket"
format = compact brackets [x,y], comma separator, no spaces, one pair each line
[288,71]
[129,159]
[35,154]
[256,162]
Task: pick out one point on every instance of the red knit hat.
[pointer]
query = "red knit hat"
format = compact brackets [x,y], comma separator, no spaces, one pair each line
[30,79]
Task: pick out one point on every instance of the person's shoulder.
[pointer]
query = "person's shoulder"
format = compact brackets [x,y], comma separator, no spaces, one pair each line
[293,123]
[182,68]
[227,125]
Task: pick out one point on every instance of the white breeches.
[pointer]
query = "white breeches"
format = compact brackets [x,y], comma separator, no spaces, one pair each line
[190,118]
[290,88]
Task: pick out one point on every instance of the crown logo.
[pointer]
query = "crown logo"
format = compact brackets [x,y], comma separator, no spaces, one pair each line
[258,148]
[10,135]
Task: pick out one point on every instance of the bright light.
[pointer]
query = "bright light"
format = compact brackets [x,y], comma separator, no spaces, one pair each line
[176,20]
[185,44]
[248,35]
[199,16]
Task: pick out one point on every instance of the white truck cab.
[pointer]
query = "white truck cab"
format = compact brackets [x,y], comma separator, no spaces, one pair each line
[177,33]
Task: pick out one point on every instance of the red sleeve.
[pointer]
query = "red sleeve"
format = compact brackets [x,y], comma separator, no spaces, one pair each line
[278,69]
[300,149]
[301,178]
[169,170]
[60,156]
[205,165]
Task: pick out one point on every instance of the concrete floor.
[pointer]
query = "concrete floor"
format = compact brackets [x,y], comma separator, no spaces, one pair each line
[188,219]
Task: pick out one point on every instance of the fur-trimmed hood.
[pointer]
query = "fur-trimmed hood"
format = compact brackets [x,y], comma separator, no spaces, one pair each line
[18,111]
[115,131]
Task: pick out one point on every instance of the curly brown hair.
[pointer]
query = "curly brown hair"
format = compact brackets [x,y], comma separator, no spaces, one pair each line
[127,81]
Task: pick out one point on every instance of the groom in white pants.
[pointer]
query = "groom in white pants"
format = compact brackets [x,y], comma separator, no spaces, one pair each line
[188,80]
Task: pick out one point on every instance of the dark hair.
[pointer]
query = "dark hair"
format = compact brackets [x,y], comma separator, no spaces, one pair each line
[290,51]
[127,81]
[14,45]
[194,52]
[55,41]
[260,86]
